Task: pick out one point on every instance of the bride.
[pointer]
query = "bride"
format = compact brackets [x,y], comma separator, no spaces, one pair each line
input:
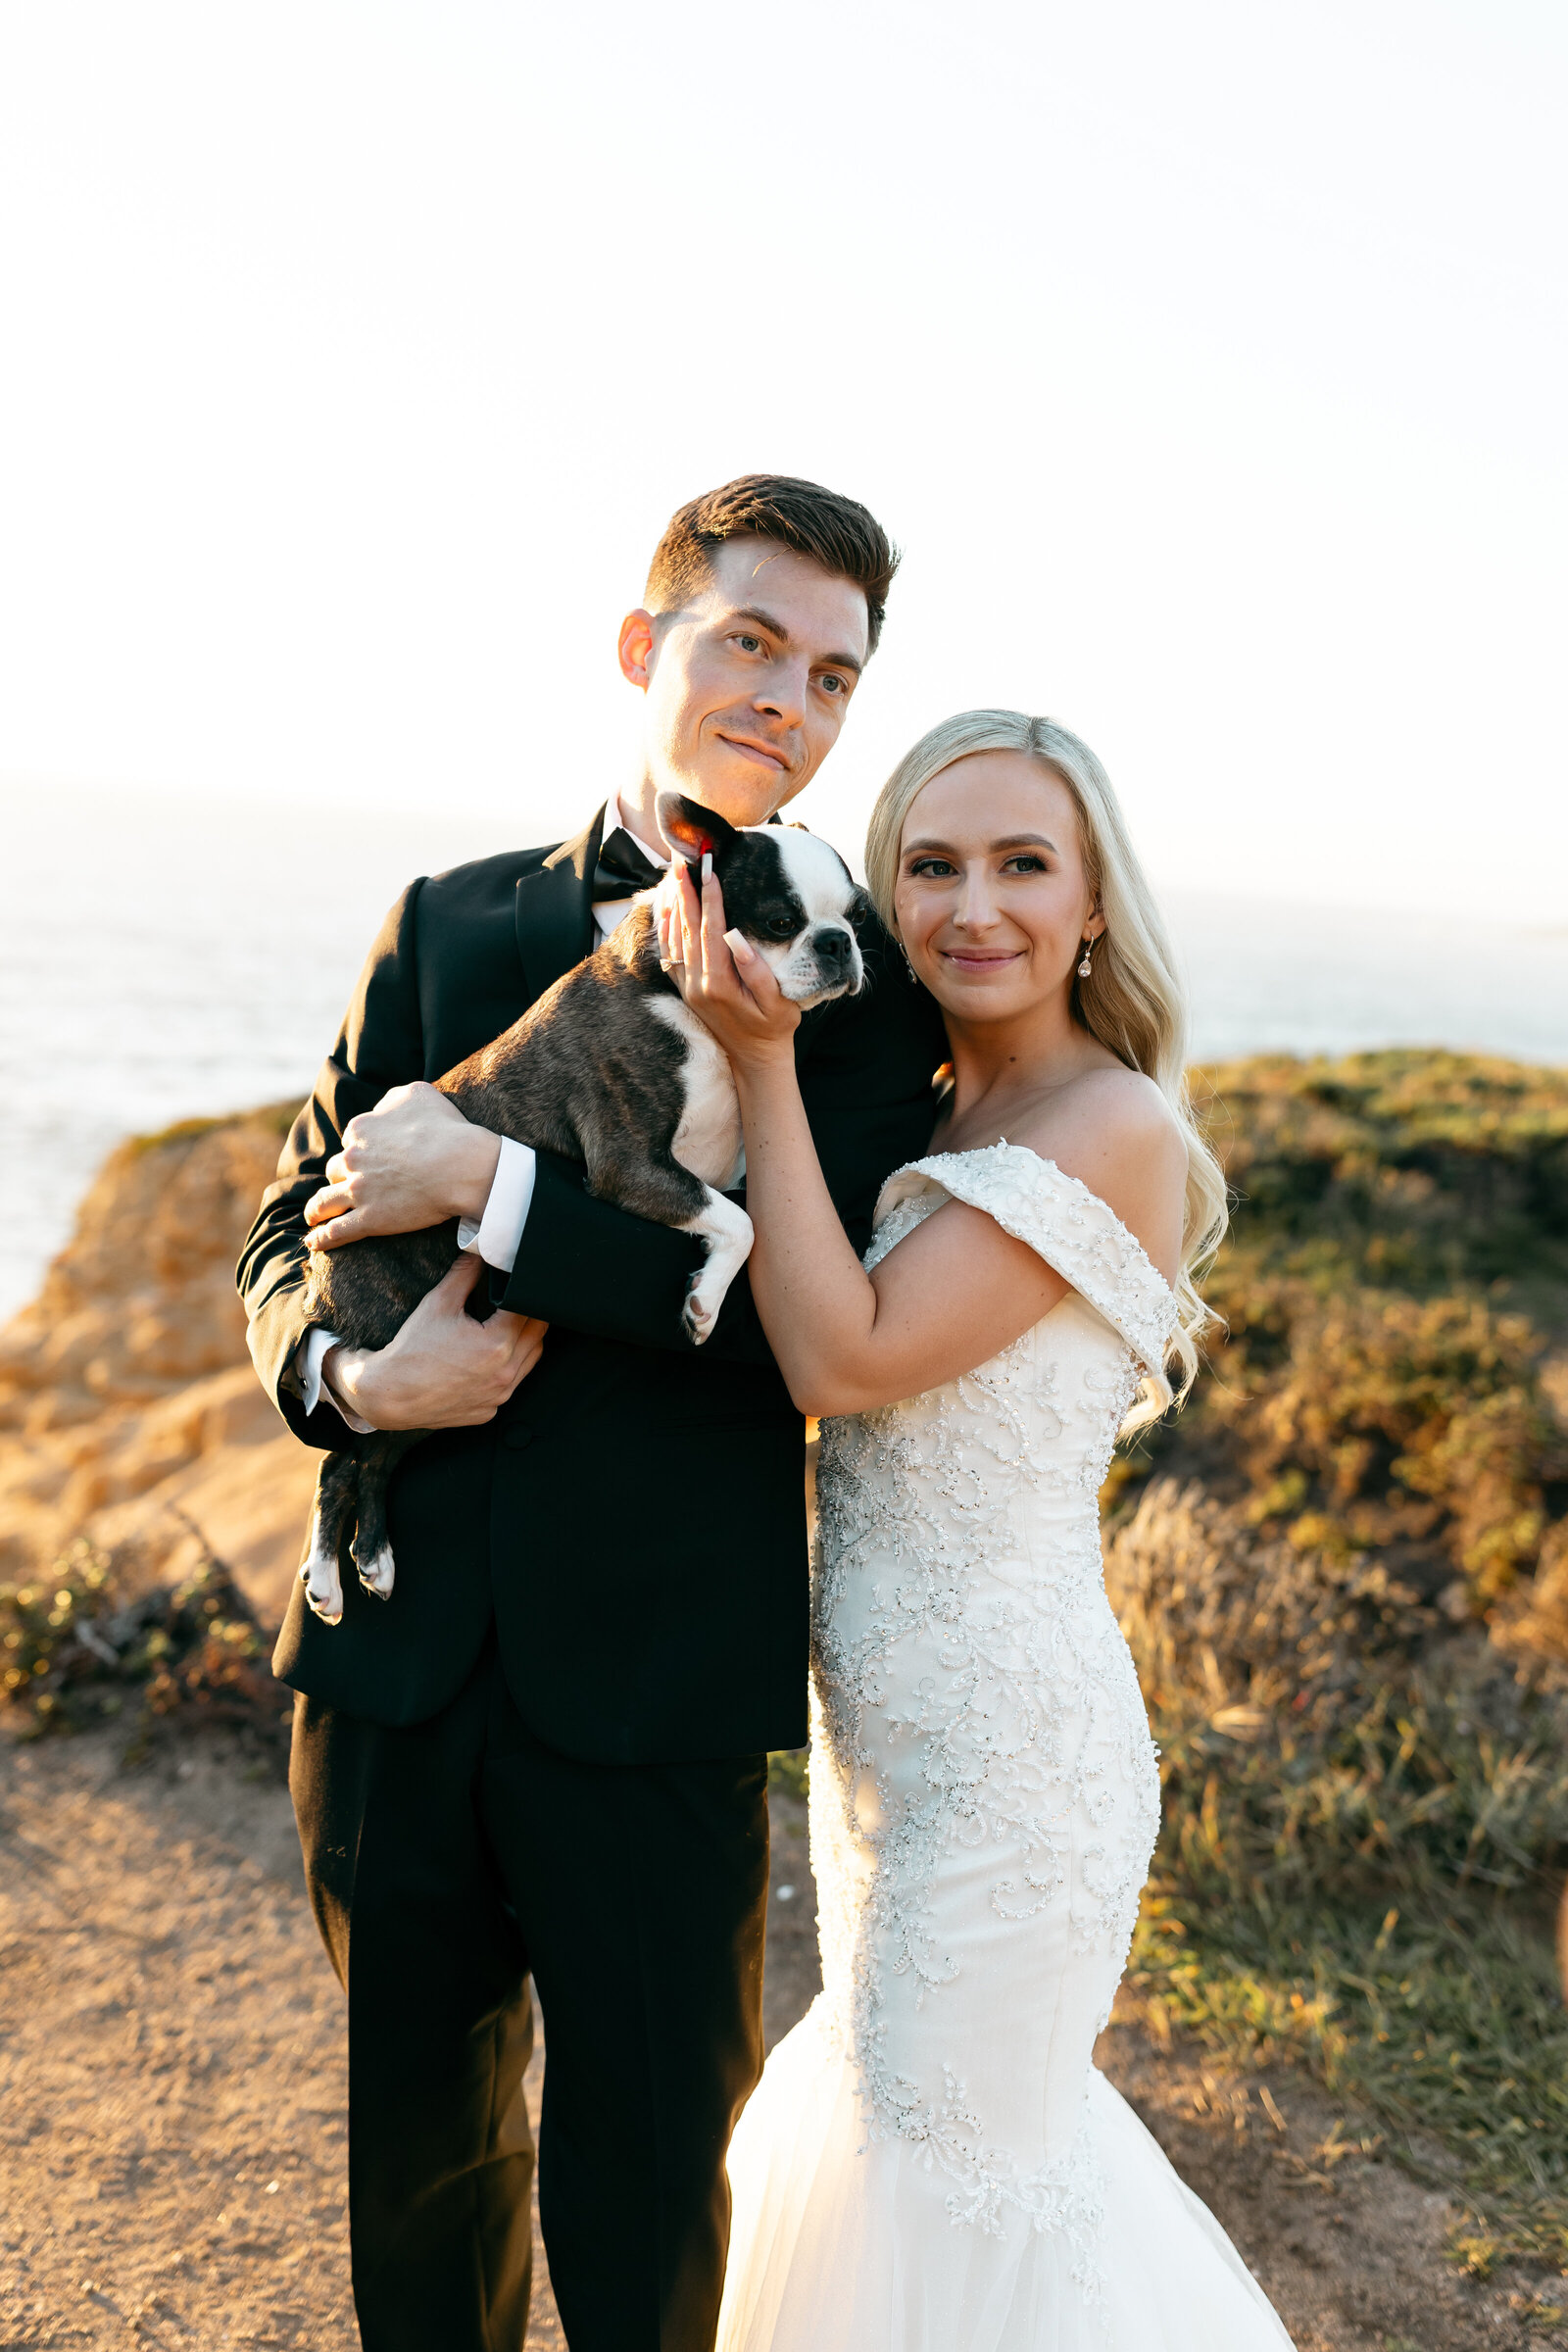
[931,2162]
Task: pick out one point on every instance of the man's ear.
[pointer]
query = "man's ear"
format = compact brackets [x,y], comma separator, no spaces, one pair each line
[637,648]
[690,829]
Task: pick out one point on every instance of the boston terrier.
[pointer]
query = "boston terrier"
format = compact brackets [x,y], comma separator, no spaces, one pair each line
[608,1067]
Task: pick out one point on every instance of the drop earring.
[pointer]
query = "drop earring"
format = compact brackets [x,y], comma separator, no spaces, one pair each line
[1086,969]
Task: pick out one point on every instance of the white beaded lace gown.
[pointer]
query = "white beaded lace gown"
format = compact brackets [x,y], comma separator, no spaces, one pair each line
[931,2162]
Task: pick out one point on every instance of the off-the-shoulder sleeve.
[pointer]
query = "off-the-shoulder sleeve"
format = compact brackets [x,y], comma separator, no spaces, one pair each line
[1071,1228]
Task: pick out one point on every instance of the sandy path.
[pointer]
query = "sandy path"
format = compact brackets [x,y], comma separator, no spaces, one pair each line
[170,2069]
[171,2062]
[172,2090]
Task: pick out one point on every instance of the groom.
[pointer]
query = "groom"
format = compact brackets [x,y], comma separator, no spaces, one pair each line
[545,1754]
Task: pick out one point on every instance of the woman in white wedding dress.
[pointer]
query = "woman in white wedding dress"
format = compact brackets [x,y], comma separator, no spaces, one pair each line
[931,2162]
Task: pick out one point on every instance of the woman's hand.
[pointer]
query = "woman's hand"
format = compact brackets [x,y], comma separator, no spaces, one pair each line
[721,975]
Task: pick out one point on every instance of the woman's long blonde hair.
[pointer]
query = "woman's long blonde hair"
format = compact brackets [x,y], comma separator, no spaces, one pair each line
[1134,1002]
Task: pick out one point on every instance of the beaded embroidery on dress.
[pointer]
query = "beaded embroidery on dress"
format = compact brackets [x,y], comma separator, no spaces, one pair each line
[931,2162]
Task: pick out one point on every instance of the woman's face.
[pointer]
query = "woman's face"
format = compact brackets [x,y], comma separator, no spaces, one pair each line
[992,904]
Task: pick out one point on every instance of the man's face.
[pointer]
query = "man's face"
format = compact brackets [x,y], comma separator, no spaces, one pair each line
[748,684]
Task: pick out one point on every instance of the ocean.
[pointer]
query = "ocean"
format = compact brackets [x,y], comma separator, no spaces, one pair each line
[161,960]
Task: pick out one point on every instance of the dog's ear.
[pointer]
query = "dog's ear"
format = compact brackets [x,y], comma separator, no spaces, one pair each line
[690,829]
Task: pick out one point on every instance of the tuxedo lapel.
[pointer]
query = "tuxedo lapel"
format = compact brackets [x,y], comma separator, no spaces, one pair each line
[556,913]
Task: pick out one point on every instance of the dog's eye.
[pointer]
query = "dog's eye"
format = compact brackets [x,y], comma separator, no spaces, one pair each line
[781,928]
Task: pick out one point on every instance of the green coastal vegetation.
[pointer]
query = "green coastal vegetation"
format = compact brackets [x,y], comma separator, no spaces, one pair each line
[1343,1572]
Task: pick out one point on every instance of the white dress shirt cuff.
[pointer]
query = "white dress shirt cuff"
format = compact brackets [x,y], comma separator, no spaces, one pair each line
[497,1235]
[314,1388]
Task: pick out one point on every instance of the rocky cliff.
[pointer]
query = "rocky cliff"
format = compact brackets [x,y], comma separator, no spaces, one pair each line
[129,1410]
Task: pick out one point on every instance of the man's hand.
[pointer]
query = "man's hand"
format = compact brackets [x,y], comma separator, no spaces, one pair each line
[414,1160]
[442,1370]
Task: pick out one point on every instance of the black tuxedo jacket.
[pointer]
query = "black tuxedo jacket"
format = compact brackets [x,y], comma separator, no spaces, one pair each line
[632,1522]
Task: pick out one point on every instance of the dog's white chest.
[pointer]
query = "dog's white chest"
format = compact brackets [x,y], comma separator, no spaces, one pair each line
[709,1135]
[707,1139]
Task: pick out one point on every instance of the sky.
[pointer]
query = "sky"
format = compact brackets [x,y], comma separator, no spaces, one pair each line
[1208,363]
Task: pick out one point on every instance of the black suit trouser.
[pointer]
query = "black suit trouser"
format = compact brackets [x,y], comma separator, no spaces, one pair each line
[445,1863]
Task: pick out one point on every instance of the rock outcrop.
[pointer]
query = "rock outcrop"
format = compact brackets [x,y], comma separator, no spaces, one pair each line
[128,1409]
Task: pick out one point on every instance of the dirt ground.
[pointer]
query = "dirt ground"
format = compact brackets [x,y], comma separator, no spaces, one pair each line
[171,2132]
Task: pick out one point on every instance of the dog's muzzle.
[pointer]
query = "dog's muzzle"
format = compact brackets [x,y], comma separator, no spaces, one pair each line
[834,950]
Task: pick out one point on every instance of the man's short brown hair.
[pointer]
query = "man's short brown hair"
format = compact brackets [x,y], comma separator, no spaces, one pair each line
[839,533]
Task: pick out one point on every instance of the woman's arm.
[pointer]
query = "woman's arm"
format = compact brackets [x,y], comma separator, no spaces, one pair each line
[959,1287]
[945,1299]
[951,1294]
[865,1069]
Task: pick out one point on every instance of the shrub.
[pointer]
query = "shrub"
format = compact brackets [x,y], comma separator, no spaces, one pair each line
[1354,1636]
[1396,1266]
[1362,1807]
[76,1648]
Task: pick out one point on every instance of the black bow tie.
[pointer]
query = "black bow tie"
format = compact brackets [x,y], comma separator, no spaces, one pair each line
[624,866]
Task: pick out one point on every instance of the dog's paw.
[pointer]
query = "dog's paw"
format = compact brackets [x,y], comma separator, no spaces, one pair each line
[697,1316]
[324,1592]
[376,1572]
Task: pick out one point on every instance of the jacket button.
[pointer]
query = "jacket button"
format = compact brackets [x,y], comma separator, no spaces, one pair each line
[516,1438]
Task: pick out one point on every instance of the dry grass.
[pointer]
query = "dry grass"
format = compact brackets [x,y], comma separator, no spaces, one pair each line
[1363,1807]
[1354,1630]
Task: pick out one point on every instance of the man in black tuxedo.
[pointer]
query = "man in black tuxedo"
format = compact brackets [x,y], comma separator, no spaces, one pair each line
[547,1753]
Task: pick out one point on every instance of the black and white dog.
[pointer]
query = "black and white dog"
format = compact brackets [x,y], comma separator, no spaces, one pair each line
[608,1067]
